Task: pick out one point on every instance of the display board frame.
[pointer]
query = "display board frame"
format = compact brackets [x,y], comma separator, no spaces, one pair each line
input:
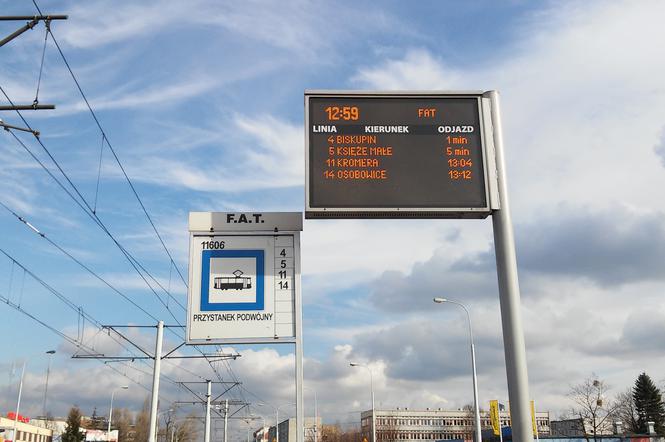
[386,211]
[216,226]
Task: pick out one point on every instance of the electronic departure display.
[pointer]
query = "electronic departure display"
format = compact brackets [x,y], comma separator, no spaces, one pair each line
[382,155]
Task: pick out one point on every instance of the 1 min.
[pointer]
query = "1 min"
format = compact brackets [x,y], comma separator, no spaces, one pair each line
[457,151]
[457,140]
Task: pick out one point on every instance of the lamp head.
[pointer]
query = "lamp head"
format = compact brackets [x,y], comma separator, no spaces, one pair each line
[50,352]
[440,300]
[354,364]
[125,387]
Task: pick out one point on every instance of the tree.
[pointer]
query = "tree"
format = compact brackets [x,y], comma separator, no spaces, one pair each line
[96,422]
[648,405]
[186,429]
[142,423]
[73,431]
[330,433]
[592,408]
[122,421]
[333,433]
[625,411]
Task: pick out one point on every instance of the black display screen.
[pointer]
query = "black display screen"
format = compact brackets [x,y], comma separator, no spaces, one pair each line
[416,156]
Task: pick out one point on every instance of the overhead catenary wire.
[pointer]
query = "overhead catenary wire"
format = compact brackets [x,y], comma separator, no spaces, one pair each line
[69,339]
[64,299]
[82,314]
[135,263]
[41,322]
[77,261]
[32,227]
[101,226]
[115,155]
[88,210]
[83,202]
[78,343]
[85,206]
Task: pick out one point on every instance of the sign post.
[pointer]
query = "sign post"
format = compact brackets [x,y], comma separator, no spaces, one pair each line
[244,283]
[420,155]
[509,292]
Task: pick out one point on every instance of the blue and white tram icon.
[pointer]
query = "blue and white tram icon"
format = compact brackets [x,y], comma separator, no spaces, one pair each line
[236,282]
[240,290]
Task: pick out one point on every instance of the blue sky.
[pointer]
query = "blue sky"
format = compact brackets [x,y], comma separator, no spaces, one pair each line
[203,103]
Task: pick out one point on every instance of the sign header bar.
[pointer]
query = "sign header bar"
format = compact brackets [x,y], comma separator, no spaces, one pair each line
[245,221]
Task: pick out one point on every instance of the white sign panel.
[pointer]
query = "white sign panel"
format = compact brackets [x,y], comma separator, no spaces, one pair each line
[242,286]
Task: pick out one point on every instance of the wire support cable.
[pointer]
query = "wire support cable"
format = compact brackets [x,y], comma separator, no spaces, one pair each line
[132,260]
[101,129]
[85,206]
[47,24]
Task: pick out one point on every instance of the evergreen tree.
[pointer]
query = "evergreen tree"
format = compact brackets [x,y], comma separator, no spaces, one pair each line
[648,405]
[72,432]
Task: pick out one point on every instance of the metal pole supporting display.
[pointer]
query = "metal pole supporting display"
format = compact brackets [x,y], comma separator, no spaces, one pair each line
[226,420]
[509,291]
[300,404]
[206,431]
[152,437]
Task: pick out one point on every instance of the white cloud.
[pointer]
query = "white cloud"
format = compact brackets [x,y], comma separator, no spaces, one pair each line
[583,109]
[272,157]
[96,24]
[583,105]
[580,120]
[418,70]
[161,94]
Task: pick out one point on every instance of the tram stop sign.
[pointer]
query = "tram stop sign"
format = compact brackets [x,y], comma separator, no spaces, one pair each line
[407,154]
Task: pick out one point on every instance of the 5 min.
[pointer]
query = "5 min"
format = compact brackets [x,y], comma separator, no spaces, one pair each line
[457,151]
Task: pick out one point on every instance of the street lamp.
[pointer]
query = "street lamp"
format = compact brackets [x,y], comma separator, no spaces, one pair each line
[476,410]
[248,419]
[20,392]
[48,370]
[371,387]
[290,404]
[263,428]
[316,413]
[123,387]
[18,402]
[50,353]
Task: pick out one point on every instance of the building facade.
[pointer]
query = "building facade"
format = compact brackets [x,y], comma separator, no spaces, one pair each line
[287,431]
[578,427]
[434,424]
[25,432]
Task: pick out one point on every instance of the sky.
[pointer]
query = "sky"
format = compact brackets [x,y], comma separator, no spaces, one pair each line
[202,105]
